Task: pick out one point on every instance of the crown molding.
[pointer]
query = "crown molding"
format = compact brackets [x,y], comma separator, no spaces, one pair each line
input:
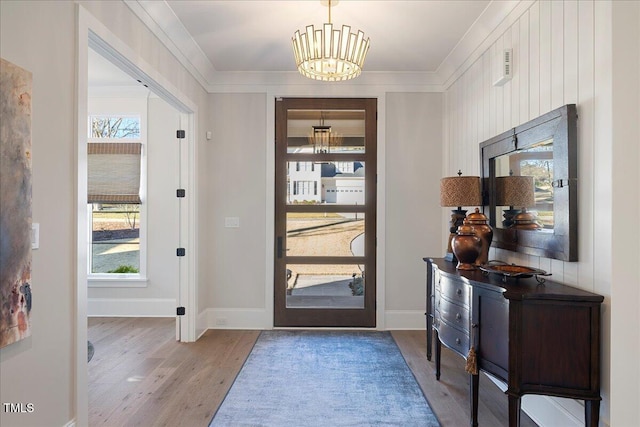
[254,81]
[164,24]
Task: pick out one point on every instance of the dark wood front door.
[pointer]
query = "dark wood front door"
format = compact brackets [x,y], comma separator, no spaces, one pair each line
[325,212]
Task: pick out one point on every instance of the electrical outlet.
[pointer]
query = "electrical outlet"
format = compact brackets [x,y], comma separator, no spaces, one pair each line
[232,222]
[221,321]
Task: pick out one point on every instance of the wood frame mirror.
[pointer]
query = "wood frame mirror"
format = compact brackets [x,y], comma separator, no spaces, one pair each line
[550,139]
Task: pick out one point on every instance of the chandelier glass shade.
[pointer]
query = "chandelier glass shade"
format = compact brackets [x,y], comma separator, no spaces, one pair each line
[322,139]
[330,54]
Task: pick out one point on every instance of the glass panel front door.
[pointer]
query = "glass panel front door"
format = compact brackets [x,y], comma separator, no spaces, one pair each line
[324,192]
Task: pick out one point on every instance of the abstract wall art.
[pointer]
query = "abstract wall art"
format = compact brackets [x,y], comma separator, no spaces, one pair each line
[15,203]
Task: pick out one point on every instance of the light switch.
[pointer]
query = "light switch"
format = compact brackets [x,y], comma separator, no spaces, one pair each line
[232,222]
[35,235]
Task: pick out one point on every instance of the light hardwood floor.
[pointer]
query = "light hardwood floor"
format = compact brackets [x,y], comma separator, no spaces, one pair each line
[140,376]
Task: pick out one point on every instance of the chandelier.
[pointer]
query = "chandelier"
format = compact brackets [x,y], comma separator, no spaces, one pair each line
[330,54]
[322,138]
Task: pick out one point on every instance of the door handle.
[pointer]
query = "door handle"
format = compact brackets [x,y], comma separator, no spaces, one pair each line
[279,247]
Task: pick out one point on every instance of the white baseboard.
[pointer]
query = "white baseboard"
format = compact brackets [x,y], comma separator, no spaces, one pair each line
[238,318]
[553,411]
[201,324]
[404,320]
[131,307]
[550,411]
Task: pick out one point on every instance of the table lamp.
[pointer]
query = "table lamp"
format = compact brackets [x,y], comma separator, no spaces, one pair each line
[517,192]
[458,191]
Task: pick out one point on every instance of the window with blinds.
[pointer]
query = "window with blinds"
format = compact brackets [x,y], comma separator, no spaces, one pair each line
[114,159]
[114,172]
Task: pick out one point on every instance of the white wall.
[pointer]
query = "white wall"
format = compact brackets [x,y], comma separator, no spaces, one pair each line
[235,161]
[157,295]
[39,369]
[563,54]
[414,147]
[41,37]
[625,292]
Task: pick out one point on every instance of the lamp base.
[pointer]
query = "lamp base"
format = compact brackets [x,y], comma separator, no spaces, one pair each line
[508,215]
[457,218]
[526,220]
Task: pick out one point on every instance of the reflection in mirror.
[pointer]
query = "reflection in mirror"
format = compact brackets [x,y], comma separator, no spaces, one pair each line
[325,131]
[530,186]
[332,182]
[524,185]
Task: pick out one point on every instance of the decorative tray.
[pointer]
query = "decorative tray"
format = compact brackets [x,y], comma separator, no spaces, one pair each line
[513,270]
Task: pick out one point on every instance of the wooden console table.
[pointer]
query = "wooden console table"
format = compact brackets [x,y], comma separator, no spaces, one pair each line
[538,338]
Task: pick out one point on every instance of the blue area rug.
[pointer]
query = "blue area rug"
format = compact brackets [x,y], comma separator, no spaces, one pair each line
[325,378]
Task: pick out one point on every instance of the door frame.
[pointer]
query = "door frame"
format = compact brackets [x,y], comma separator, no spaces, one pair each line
[326,317]
[92,31]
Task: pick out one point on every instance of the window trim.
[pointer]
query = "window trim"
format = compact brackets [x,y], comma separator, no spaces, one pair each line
[122,280]
[119,280]
[116,115]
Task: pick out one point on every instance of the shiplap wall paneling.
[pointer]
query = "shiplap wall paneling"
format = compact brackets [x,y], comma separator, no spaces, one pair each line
[586,118]
[557,46]
[522,68]
[544,58]
[510,90]
[533,93]
[552,45]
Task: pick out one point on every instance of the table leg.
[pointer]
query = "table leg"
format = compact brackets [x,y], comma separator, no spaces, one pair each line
[514,411]
[429,335]
[438,354]
[591,413]
[474,385]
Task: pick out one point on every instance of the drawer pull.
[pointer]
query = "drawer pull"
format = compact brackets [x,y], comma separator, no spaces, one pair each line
[458,341]
[458,316]
[459,291]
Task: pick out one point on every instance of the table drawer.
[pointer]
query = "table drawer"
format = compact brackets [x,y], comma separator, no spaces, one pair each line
[436,278]
[454,290]
[453,314]
[453,338]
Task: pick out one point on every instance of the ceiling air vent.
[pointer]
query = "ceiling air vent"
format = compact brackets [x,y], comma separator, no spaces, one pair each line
[506,68]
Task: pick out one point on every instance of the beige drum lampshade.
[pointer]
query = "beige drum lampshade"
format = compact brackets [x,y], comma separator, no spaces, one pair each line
[460,191]
[515,191]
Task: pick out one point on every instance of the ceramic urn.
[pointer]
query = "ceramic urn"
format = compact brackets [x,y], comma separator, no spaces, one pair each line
[466,246]
[480,225]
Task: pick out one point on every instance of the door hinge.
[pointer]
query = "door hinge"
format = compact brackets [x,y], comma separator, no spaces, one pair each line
[180,134]
[181,252]
[560,183]
[180,311]
[180,192]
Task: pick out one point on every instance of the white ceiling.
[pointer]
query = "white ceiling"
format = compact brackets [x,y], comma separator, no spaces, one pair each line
[256,35]
[250,39]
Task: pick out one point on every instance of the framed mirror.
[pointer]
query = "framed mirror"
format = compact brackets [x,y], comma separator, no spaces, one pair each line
[529,177]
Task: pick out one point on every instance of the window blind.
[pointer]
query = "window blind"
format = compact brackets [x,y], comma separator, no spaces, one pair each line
[114,172]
